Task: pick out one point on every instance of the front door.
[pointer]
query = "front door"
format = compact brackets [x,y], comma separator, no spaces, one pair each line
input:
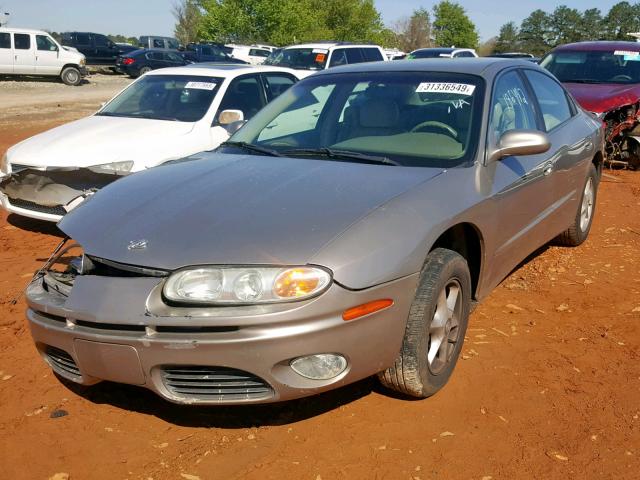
[24,54]
[6,53]
[522,192]
[47,56]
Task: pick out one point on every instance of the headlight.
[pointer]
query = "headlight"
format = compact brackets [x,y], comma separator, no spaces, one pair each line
[4,164]
[245,285]
[116,168]
[83,62]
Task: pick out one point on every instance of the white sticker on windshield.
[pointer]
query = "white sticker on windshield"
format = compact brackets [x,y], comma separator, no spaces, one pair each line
[320,50]
[445,87]
[201,85]
[626,53]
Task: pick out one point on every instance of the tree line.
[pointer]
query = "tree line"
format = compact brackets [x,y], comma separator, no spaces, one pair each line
[285,22]
[541,31]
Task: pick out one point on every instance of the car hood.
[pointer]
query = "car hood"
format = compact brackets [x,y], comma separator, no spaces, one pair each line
[233,209]
[600,98]
[97,140]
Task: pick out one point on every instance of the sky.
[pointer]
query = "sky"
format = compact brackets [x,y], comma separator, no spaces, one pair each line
[153,17]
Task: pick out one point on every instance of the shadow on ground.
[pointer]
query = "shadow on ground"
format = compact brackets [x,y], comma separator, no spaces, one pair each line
[33,225]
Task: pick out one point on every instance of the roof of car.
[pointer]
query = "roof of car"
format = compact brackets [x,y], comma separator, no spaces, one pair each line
[442,49]
[473,66]
[328,45]
[22,30]
[600,46]
[218,69]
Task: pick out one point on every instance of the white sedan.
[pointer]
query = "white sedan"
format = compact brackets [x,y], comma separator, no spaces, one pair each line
[165,115]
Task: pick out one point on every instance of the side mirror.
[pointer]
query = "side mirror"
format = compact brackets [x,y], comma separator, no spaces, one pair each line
[228,117]
[520,142]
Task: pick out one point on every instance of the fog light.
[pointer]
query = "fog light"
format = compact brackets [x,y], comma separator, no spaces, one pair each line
[322,366]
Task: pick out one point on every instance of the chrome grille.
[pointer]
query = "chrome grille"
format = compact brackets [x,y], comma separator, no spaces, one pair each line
[62,363]
[214,383]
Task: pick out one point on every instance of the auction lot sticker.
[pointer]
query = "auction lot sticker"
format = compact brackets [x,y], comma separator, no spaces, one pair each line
[446,87]
[200,85]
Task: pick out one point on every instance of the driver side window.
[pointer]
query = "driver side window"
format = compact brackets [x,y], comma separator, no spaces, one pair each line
[243,94]
[511,107]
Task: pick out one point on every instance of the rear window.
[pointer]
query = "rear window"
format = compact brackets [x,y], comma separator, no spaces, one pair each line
[5,40]
[22,41]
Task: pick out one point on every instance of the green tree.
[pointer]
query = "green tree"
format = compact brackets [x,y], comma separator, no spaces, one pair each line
[453,27]
[564,25]
[591,27]
[282,22]
[534,33]
[622,19]
[188,17]
[508,40]
[415,32]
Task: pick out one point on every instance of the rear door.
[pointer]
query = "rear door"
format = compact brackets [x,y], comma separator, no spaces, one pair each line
[24,53]
[47,56]
[6,53]
[571,145]
[106,50]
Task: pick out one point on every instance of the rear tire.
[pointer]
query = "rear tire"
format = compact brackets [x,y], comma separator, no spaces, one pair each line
[144,70]
[579,230]
[435,328]
[71,76]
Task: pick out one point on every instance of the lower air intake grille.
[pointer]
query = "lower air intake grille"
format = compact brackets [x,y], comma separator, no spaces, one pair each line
[62,362]
[59,210]
[214,383]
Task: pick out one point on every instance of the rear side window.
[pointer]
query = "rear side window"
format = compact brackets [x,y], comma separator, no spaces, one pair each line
[277,84]
[5,40]
[255,52]
[157,43]
[464,55]
[102,41]
[207,51]
[551,98]
[22,41]
[372,55]
[354,55]
[83,39]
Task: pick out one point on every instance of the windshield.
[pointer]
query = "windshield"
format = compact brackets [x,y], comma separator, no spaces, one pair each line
[410,118]
[299,58]
[594,67]
[182,98]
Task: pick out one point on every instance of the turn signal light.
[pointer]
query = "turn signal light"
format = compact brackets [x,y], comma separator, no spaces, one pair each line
[366,309]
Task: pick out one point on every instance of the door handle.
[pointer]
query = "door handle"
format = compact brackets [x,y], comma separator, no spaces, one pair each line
[548,168]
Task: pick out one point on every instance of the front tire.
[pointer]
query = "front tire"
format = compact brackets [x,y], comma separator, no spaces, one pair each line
[579,230]
[435,328]
[71,76]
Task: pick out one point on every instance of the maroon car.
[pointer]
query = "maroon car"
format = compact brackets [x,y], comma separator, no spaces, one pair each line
[604,77]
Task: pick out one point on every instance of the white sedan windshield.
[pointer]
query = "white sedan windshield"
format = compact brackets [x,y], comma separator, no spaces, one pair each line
[182,98]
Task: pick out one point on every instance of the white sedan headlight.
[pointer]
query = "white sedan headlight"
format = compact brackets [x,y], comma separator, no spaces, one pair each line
[4,165]
[245,285]
[116,168]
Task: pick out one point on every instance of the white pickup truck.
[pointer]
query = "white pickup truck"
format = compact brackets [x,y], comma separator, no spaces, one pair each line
[34,52]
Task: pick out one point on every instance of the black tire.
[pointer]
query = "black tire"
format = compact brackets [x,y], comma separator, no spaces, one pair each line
[412,373]
[578,231]
[71,76]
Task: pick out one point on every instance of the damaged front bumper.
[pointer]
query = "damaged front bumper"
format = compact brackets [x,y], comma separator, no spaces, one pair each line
[103,326]
[51,193]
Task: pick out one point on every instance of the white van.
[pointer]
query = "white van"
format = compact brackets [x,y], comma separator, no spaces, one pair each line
[34,52]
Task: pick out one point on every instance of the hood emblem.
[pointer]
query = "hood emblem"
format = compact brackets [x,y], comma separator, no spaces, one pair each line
[137,245]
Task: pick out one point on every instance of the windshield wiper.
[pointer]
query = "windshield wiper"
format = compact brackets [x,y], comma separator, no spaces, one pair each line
[345,154]
[252,148]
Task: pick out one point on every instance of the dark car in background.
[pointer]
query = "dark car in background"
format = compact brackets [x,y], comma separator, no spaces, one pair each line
[97,48]
[142,61]
[198,53]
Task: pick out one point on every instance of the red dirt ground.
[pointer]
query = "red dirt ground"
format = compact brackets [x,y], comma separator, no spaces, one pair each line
[548,387]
